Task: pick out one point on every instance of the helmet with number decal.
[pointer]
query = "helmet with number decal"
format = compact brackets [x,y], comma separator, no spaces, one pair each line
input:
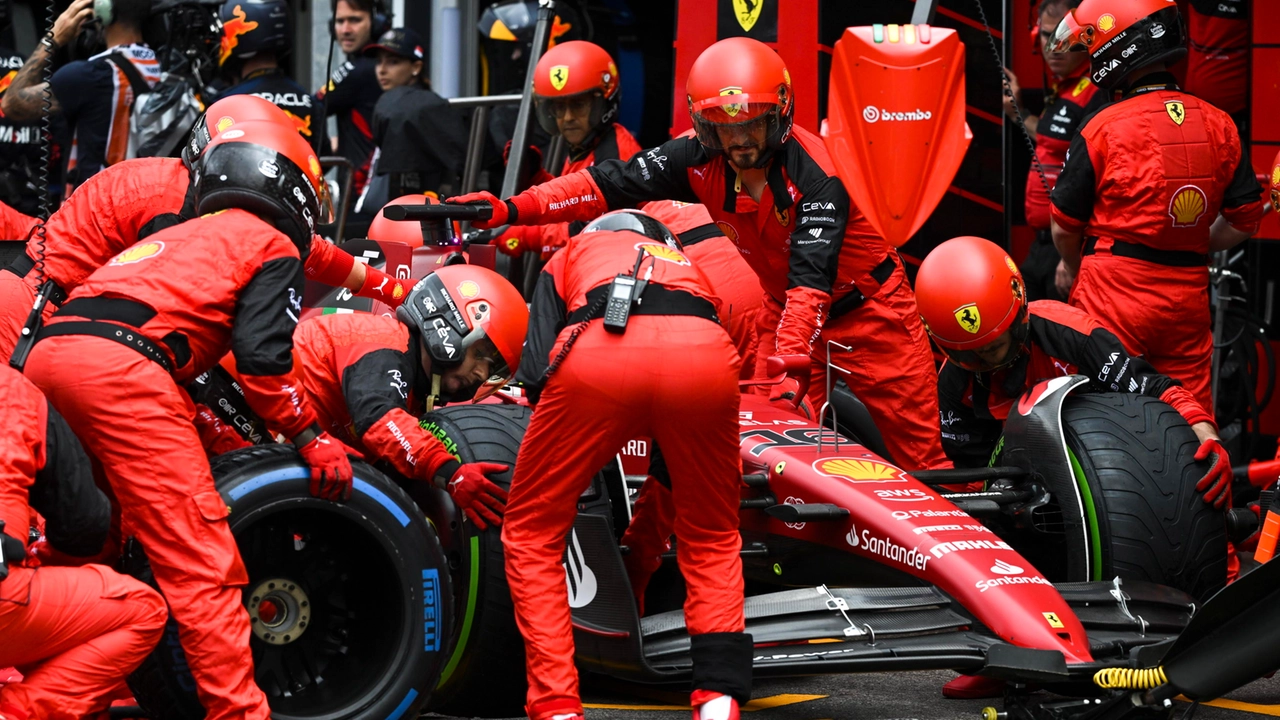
[636,222]
[224,113]
[970,295]
[1122,36]
[738,81]
[269,170]
[577,75]
[461,309]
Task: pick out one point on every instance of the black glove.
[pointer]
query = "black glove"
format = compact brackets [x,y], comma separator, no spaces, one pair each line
[10,549]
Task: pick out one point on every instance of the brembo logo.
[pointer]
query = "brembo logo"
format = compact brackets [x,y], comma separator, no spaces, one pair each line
[871,114]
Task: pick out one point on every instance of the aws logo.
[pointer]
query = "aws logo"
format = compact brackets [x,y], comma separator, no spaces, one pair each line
[138,253]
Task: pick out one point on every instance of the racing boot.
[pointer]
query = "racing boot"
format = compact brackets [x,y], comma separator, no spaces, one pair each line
[708,705]
[972,687]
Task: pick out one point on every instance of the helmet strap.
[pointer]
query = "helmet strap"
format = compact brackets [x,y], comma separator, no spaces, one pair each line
[430,403]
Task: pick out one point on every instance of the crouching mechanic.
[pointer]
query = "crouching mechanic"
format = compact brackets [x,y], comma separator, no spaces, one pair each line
[154,317]
[667,371]
[128,202]
[369,377]
[830,280]
[74,633]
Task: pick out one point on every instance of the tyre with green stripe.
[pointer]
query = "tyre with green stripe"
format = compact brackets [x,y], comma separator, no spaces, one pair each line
[1133,457]
[484,674]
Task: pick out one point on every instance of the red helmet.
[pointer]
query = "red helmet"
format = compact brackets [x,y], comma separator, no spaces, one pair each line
[737,81]
[459,306]
[576,73]
[969,293]
[224,113]
[1122,36]
[269,170]
[637,222]
[1275,184]
[413,234]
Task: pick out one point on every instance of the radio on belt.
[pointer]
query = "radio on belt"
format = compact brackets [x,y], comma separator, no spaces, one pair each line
[623,291]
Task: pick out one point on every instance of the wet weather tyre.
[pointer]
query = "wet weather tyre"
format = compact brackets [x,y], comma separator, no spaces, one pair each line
[351,605]
[486,676]
[1136,455]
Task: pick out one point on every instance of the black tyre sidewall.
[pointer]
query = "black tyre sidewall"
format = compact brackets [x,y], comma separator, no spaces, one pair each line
[259,482]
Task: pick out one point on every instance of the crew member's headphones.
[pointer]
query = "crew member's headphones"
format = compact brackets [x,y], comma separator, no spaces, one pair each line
[382,18]
[103,11]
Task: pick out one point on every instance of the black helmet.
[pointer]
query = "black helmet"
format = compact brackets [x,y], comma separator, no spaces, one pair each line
[269,170]
[636,222]
[253,26]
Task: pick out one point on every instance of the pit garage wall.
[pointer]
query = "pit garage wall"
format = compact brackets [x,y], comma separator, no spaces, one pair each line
[976,201]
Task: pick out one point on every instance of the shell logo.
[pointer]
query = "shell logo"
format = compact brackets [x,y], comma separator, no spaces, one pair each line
[468,289]
[1107,23]
[1275,177]
[860,470]
[223,123]
[1008,261]
[729,231]
[138,253]
[662,252]
[313,164]
[397,292]
[1187,205]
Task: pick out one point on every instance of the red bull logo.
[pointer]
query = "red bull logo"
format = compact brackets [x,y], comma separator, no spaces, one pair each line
[232,30]
[301,124]
[4,81]
[138,253]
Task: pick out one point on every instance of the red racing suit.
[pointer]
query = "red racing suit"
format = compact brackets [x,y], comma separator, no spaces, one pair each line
[1143,182]
[74,632]
[364,377]
[1218,56]
[1061,340]
[161,298]
[13,224]
[827,276]
[117,207]
[672,375]
[615,143]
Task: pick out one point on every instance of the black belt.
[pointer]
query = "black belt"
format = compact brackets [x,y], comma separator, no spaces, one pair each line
[657,300]
[129,313]
[854,298]
[693,236]
[1138,251]
[23,265]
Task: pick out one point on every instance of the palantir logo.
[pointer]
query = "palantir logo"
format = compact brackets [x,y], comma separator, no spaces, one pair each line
[580,578]
[871,113]
[1003,568]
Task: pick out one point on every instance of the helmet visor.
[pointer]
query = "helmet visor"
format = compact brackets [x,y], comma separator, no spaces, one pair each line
[499,372]
[998,353]
[1071,36]
[751,131]
[589,105]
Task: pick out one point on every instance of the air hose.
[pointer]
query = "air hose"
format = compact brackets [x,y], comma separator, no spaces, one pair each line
[1130,678]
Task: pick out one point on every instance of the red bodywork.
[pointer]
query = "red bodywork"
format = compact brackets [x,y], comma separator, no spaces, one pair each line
[896,129]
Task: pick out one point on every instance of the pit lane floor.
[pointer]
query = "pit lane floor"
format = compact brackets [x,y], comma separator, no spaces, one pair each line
[886,696]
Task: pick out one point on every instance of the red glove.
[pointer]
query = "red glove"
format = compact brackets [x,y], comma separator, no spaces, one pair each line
[500,211]
[1216,484]
[479,498]
[382,287]
[330,468]
[216,436]
[519,239]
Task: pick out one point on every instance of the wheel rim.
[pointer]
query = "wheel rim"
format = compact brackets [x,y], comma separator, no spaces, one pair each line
[323,636]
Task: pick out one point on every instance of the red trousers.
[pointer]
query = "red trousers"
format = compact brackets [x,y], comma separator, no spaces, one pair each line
[890,369]
[1160,313]
[670,378]
[130,415]
[738,288]
[74,633]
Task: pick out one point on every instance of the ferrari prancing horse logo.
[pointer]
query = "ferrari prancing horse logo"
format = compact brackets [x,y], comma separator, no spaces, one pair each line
[747,12]
[1177,113]
[969,318]
[559,76]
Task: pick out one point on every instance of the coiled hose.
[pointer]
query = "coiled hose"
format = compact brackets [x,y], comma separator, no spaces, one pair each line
[1130,678]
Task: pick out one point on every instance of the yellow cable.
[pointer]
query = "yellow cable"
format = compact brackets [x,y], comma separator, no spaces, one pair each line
[1130,678]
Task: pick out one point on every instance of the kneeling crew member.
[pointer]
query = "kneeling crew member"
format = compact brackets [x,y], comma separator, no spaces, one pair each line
[156,316]
[666,371]
[76,632]
[370,377]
